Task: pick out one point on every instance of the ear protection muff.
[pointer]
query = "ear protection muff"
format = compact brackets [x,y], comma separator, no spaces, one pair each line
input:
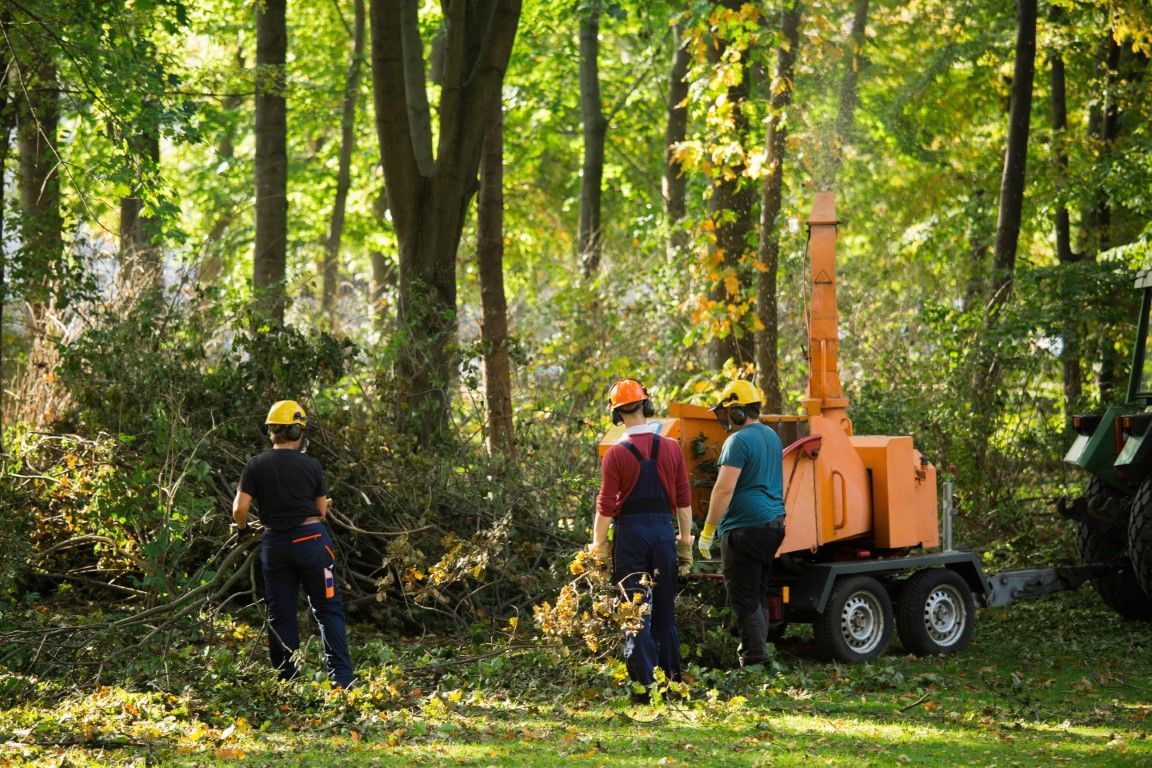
[737,414]
[617,419]
[647,408]
[293,432]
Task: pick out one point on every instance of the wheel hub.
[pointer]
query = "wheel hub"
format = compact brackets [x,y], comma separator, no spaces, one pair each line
[944,615]
[862,622]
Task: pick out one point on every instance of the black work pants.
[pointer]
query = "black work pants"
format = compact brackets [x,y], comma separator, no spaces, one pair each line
[746,556]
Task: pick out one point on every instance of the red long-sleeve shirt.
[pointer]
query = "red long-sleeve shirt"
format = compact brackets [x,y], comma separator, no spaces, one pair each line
[620,471]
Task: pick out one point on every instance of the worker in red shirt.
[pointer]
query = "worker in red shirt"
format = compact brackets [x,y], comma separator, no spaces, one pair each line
[643,484]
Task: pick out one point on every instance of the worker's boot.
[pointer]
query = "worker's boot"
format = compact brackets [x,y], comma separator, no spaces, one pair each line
[753,637]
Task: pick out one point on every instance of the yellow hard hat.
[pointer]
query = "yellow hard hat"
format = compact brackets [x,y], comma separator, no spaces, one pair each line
[287,412]
[740,392]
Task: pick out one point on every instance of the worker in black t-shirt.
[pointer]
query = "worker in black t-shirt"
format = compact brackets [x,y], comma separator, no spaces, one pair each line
[296,551]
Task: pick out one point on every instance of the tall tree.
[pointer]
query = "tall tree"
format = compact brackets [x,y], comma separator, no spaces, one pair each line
[494,305]
[140,257]
[331,265]
[1070,352]
[7,118]
[771,197]
[676,130]
[37,106]
[595,127]
[269,261]
[428,194]
[1015,155]
[850,86]
[732,200]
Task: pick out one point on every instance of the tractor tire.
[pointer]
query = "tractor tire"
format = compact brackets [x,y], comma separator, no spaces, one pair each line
[1106,541]
[856,624]
[936,613]
[1140,537]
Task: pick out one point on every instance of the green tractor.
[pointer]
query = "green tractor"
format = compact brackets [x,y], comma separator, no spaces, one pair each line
[1114,515]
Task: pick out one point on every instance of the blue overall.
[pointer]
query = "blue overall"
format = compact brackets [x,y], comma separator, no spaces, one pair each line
[646,544]
[302,557]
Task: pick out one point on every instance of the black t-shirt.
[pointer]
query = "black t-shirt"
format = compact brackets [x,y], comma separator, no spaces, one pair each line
[285,484]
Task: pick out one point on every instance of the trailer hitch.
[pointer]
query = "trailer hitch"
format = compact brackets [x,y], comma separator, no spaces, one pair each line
[1007,587]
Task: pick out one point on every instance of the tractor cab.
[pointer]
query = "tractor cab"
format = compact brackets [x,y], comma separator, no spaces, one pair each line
[1116,446]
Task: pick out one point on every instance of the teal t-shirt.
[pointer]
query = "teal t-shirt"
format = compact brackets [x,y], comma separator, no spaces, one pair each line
[759,494]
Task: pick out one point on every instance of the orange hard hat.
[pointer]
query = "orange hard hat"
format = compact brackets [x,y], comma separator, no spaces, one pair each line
[626,391]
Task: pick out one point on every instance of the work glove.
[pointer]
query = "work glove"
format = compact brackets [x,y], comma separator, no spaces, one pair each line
[602,552]
[704,543]
[684,556]
[243,534]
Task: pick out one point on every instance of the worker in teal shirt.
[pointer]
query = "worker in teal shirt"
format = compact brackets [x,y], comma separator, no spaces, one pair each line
[746,511]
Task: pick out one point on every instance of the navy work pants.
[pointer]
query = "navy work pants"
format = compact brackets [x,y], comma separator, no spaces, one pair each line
[646,544]
[303,557]
[746,556]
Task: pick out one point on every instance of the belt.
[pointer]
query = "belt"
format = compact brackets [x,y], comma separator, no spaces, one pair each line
[776,524]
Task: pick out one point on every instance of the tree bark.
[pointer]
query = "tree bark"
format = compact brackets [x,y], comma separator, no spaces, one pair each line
[494,306]
[7,119]
[849,87]
[428,200]
[595,129]
[37,119]
[730,210]
[270,258]
[210,264]
[1071,352]
[1015,156]
[771,192]
[676,130]
[330,269]
[1096,222]
[384,271]
[141,263]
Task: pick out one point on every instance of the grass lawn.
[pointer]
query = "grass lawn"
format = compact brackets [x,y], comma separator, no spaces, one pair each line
[1057,682]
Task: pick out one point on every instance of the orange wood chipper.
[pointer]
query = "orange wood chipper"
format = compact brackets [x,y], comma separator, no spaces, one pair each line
[861,511]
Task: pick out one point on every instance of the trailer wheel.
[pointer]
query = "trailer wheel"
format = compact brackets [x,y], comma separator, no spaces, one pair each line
[1140,539]
[936,613]
[856,624]
[1105,540]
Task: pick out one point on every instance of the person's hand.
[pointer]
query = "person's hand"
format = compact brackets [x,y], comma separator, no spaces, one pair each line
[243,534]
[602,552]
[684,556]
[704,543]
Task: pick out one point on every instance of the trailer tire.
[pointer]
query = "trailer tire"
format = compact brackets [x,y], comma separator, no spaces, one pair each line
[856,624]
[1140,539]
[936,613]
[1106,543]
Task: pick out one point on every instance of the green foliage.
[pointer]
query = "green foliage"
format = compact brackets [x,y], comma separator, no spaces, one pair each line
[1028,691]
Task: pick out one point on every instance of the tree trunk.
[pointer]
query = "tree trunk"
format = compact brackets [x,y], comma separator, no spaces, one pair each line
[730,210]
[210,264]
[428,200]
[771,200]
[1096,223]
[330,269]
[1015,156]
[675,131]
[849,87]
[141,263]
[37,119]
[383,268]
[1071,352]
[490,255]
[269,261]
[7,119]
[595,130]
